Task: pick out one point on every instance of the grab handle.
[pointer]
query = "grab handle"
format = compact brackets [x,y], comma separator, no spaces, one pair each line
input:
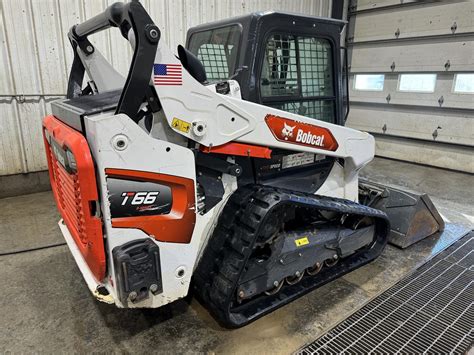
[112,16]
[129,16]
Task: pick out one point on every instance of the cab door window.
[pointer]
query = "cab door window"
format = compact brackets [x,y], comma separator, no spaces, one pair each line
[297,76]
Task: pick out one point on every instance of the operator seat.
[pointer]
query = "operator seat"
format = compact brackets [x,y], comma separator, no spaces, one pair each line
[192,64]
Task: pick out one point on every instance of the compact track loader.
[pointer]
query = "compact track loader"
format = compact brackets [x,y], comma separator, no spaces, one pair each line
[225,170]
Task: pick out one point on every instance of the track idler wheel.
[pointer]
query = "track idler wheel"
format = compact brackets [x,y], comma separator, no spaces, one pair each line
[292,280]
[277,287]
[313,270]
[331,262]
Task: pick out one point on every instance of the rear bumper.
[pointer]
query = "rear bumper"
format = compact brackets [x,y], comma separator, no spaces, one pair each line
[86,272]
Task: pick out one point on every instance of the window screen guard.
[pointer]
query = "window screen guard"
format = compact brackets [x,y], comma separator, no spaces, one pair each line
[217,50]
[297,76]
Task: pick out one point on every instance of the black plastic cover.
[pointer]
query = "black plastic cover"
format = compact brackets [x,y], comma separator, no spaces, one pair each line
[192,64]
[137,270]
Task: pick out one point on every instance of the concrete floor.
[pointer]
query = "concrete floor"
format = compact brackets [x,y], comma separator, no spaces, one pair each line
[46,306]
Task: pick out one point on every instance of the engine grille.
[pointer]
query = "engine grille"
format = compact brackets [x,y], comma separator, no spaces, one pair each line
[69,196]
[430,311]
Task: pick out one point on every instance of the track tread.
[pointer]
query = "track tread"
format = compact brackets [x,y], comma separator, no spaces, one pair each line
[221,264]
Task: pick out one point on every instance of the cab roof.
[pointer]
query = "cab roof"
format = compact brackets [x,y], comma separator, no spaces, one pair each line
[246,20]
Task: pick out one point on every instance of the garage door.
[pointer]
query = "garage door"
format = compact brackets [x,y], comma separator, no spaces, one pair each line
[412,79]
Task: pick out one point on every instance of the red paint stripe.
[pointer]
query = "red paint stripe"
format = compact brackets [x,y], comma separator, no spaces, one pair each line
[234,148]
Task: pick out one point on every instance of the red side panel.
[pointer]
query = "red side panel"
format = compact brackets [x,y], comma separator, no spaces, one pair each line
[245,150]
[75,190]
[177,226]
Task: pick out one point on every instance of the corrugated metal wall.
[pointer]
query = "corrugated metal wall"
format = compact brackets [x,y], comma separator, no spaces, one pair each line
[35,56]
[394,37]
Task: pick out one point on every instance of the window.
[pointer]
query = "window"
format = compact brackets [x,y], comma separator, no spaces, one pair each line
[369,82]
[217,51]
[464,83]
[322,110]
[417,82]
[297,76]
[316,67]
[280,69]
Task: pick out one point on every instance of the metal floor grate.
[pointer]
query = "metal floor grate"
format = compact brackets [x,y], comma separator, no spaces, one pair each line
[430,311]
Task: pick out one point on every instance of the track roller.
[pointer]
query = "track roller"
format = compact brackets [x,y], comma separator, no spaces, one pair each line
[315,269]
[331,262]
[276,289]
[293,280]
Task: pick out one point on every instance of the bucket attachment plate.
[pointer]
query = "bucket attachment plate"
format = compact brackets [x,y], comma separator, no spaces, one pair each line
[412,216]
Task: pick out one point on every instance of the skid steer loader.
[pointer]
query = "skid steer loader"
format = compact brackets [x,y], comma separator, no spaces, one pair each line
[225,170]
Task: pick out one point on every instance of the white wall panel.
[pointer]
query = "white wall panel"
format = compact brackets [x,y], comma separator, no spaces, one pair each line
[361,5]
[414,123]
[48,47]
[6,77]
[35,56]
[24,60]
[411,21]
[431,128]
[414,56]
[443,89]
[448,156]
[11,156]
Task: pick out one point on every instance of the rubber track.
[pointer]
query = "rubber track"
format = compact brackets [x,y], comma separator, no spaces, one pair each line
[246,217]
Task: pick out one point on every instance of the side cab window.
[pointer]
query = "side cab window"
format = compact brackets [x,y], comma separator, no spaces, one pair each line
[217,49]
[298,76]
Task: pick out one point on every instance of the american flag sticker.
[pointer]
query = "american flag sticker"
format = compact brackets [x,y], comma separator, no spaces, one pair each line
[167,74]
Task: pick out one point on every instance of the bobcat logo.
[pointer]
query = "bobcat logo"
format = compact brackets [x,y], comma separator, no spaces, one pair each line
[287,131]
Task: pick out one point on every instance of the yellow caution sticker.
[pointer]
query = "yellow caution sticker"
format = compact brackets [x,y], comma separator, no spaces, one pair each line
[180,125]
[302,241]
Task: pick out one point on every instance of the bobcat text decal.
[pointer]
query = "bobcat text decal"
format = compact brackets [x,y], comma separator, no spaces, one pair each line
[295,132]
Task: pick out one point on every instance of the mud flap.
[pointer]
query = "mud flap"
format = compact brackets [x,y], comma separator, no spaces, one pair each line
[412,216]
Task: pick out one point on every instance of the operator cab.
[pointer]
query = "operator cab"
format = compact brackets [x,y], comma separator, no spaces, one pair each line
[286,61]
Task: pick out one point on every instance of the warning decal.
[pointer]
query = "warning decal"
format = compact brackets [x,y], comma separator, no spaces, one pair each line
[180,125]
[302,241]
